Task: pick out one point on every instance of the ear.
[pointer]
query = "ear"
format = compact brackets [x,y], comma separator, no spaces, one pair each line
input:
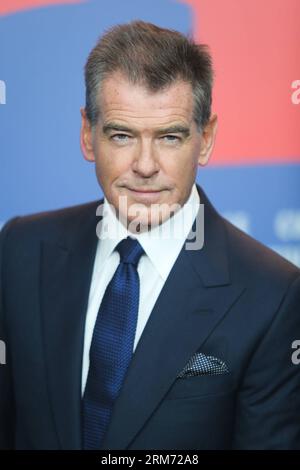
[208,140]
[86,137]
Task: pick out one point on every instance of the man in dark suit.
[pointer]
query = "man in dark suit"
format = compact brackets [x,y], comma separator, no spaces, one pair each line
[120,337]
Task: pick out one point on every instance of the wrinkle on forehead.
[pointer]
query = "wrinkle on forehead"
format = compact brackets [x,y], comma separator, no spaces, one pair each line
[121,99]
[140,121]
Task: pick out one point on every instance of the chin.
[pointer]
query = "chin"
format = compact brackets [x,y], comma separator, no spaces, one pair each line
[139,223]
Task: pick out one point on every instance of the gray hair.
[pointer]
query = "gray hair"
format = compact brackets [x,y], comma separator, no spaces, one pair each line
[154,57]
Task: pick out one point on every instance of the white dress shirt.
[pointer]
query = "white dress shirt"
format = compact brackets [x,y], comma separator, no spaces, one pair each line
[161,245]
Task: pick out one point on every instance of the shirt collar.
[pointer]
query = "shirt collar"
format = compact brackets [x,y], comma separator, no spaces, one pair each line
[162,244]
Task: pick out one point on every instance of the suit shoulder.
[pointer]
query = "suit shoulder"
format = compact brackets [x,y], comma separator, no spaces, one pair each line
[255,260]
[48,224]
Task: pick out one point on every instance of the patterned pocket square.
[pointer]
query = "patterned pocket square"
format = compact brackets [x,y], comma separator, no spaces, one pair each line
[200,364]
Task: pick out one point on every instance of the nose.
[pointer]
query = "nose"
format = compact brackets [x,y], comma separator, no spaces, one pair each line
[145,163]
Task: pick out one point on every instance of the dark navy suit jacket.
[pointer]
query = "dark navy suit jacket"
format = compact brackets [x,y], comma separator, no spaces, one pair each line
[234,299]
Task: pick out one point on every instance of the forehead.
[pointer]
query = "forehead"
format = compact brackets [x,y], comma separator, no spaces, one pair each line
[122,100]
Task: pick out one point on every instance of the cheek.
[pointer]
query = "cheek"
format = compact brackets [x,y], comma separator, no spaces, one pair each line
[181,169]
[108,167]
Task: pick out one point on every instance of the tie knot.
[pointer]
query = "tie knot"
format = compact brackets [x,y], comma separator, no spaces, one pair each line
[130,251]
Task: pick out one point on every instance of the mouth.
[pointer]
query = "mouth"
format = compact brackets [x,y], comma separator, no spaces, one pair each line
[138,190]
[146,194]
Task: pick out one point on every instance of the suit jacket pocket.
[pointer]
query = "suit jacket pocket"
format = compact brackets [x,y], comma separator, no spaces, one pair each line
[201,385]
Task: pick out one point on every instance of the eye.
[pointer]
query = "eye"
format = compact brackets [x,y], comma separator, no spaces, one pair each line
[120,138]
[169,138]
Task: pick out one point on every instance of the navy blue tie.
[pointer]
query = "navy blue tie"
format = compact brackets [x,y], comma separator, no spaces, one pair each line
[112,344]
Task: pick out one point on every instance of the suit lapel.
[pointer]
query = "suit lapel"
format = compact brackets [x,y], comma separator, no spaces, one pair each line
[66,270]
[195,297]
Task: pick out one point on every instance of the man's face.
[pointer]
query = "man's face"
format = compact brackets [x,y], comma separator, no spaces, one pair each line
[146,147]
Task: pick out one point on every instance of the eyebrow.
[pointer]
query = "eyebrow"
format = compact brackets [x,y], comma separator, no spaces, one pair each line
[175,129]
[113,126]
